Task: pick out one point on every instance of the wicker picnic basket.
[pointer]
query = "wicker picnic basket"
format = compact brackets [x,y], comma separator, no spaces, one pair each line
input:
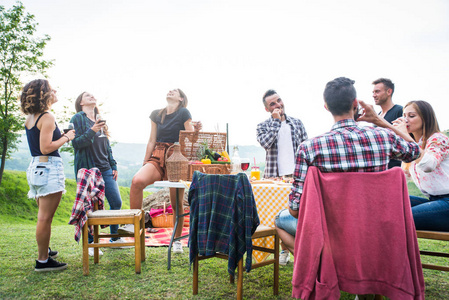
[165,220]
[177,164]
[209,169]
[190,142]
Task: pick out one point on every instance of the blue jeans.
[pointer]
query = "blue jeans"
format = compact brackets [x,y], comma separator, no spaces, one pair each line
[285,221]
[112,194]
[431,214]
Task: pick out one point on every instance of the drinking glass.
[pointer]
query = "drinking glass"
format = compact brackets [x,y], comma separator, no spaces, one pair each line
[98,117]
[67,127]
[244,163]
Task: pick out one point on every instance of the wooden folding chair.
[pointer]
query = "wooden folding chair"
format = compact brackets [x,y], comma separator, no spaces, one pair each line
[226,204]
[261,232]
[112,217]
[434,235]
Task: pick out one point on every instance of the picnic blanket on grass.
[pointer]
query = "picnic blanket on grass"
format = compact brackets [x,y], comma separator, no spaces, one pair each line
[160,238]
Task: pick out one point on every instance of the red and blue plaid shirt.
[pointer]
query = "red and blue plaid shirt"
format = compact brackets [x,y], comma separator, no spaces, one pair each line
[349,148]
[89,187]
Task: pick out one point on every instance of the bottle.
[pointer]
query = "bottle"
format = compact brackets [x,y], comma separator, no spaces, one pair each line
[177,164]
[236,166]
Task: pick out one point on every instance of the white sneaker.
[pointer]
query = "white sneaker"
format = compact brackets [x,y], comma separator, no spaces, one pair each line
[119,240]
[91,252]
[177,247]
[128,228]
[284,257]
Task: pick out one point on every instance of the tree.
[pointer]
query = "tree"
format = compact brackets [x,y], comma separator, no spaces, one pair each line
[21,53]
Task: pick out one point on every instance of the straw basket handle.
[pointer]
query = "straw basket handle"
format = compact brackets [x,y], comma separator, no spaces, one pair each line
[166,152]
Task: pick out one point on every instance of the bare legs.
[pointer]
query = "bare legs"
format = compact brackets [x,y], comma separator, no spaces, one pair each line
[147,175]
[178,230]
[47,207]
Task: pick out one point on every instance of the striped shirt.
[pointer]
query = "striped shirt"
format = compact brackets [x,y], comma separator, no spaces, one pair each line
[349,148]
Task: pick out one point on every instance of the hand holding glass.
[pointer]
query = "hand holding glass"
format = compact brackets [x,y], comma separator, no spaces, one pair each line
[67,127]
[98,118]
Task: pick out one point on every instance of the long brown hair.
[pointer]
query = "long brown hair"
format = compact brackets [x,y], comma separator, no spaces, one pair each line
[79,107]
[183,103]
[428,117]
[36,97]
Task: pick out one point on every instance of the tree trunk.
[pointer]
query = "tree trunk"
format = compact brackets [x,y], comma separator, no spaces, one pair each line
[2,166]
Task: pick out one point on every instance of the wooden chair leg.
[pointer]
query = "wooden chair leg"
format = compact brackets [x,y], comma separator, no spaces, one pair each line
[276,266]
[85,251]
[240,280]
[137,244]
[142,236]
[96,239]
[195,275]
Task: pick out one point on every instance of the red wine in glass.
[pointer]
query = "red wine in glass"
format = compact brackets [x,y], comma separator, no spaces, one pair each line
[245,166]
[68,127]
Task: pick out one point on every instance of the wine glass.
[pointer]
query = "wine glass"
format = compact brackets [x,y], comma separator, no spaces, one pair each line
[98,118]
[67,127]
[244,163]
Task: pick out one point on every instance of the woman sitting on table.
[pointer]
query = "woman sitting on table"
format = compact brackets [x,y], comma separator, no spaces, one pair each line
[430,172]
[166,124]
[92,150]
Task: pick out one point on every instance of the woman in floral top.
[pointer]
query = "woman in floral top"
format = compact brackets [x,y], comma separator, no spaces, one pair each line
[430,172]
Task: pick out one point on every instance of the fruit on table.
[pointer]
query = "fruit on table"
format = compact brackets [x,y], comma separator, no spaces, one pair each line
[206,161]
[221,162]
[225,154]
[210,155]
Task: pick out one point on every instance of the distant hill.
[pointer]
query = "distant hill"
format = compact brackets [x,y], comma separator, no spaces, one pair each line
[129,158]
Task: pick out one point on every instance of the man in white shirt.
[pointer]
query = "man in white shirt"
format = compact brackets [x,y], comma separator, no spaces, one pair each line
[280,136]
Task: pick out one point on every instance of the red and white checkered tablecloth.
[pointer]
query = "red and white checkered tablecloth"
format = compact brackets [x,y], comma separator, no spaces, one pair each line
[270,199]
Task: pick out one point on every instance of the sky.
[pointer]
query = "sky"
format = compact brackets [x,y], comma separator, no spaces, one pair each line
[225,54]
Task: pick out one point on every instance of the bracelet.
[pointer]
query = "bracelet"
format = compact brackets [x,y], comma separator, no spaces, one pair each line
[68,139]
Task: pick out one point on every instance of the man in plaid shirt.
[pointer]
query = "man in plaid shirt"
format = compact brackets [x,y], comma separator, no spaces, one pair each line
[348,147]
[280,136]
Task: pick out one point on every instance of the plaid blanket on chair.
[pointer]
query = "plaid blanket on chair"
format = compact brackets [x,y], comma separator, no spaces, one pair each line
[89,188]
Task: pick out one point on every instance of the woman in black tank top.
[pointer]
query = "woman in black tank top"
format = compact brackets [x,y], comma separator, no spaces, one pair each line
[45,174]
[165,126]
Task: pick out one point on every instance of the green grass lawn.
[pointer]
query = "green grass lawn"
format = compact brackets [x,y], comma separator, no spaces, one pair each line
[114,276]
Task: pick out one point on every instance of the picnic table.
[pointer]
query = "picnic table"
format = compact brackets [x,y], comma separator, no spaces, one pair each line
[270,199]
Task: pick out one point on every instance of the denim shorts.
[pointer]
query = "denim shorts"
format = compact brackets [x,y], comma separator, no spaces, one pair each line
[284,220]
[45,178]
